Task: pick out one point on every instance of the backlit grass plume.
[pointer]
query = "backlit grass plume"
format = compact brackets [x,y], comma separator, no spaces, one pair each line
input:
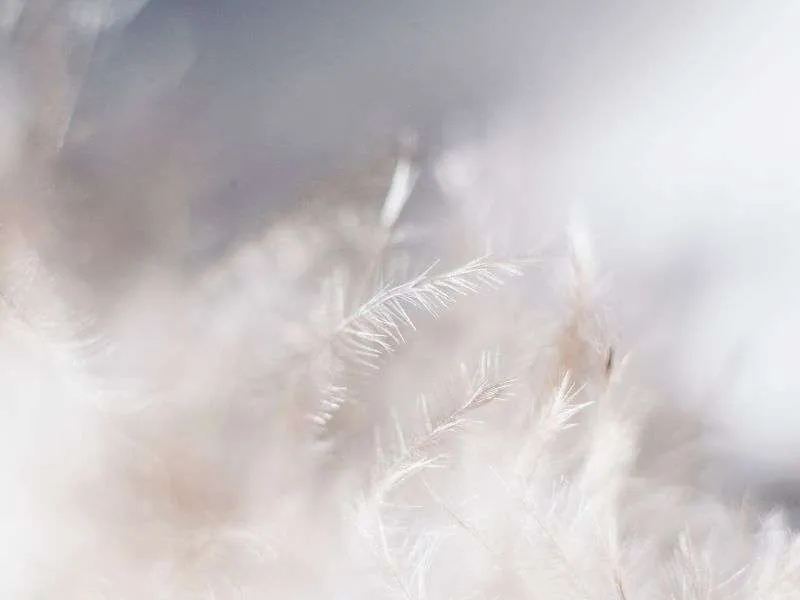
[354,404]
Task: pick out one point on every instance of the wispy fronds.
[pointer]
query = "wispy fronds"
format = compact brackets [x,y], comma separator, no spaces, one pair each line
[419,453]
[377,326]
[508,441]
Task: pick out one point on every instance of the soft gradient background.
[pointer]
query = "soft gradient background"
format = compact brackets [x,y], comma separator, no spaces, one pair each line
[668,131]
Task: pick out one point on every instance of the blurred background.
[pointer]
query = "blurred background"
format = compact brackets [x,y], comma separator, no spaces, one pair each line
[668,131]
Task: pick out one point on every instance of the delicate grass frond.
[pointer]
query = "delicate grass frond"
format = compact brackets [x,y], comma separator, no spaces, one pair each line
[414,457]
[554,417]
[560,411]
[377,326]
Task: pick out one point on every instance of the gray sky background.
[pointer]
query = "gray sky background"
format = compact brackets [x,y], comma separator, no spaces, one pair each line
[292,86]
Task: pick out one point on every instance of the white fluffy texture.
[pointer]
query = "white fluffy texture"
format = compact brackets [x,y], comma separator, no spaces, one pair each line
[347,406]
[273,440]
